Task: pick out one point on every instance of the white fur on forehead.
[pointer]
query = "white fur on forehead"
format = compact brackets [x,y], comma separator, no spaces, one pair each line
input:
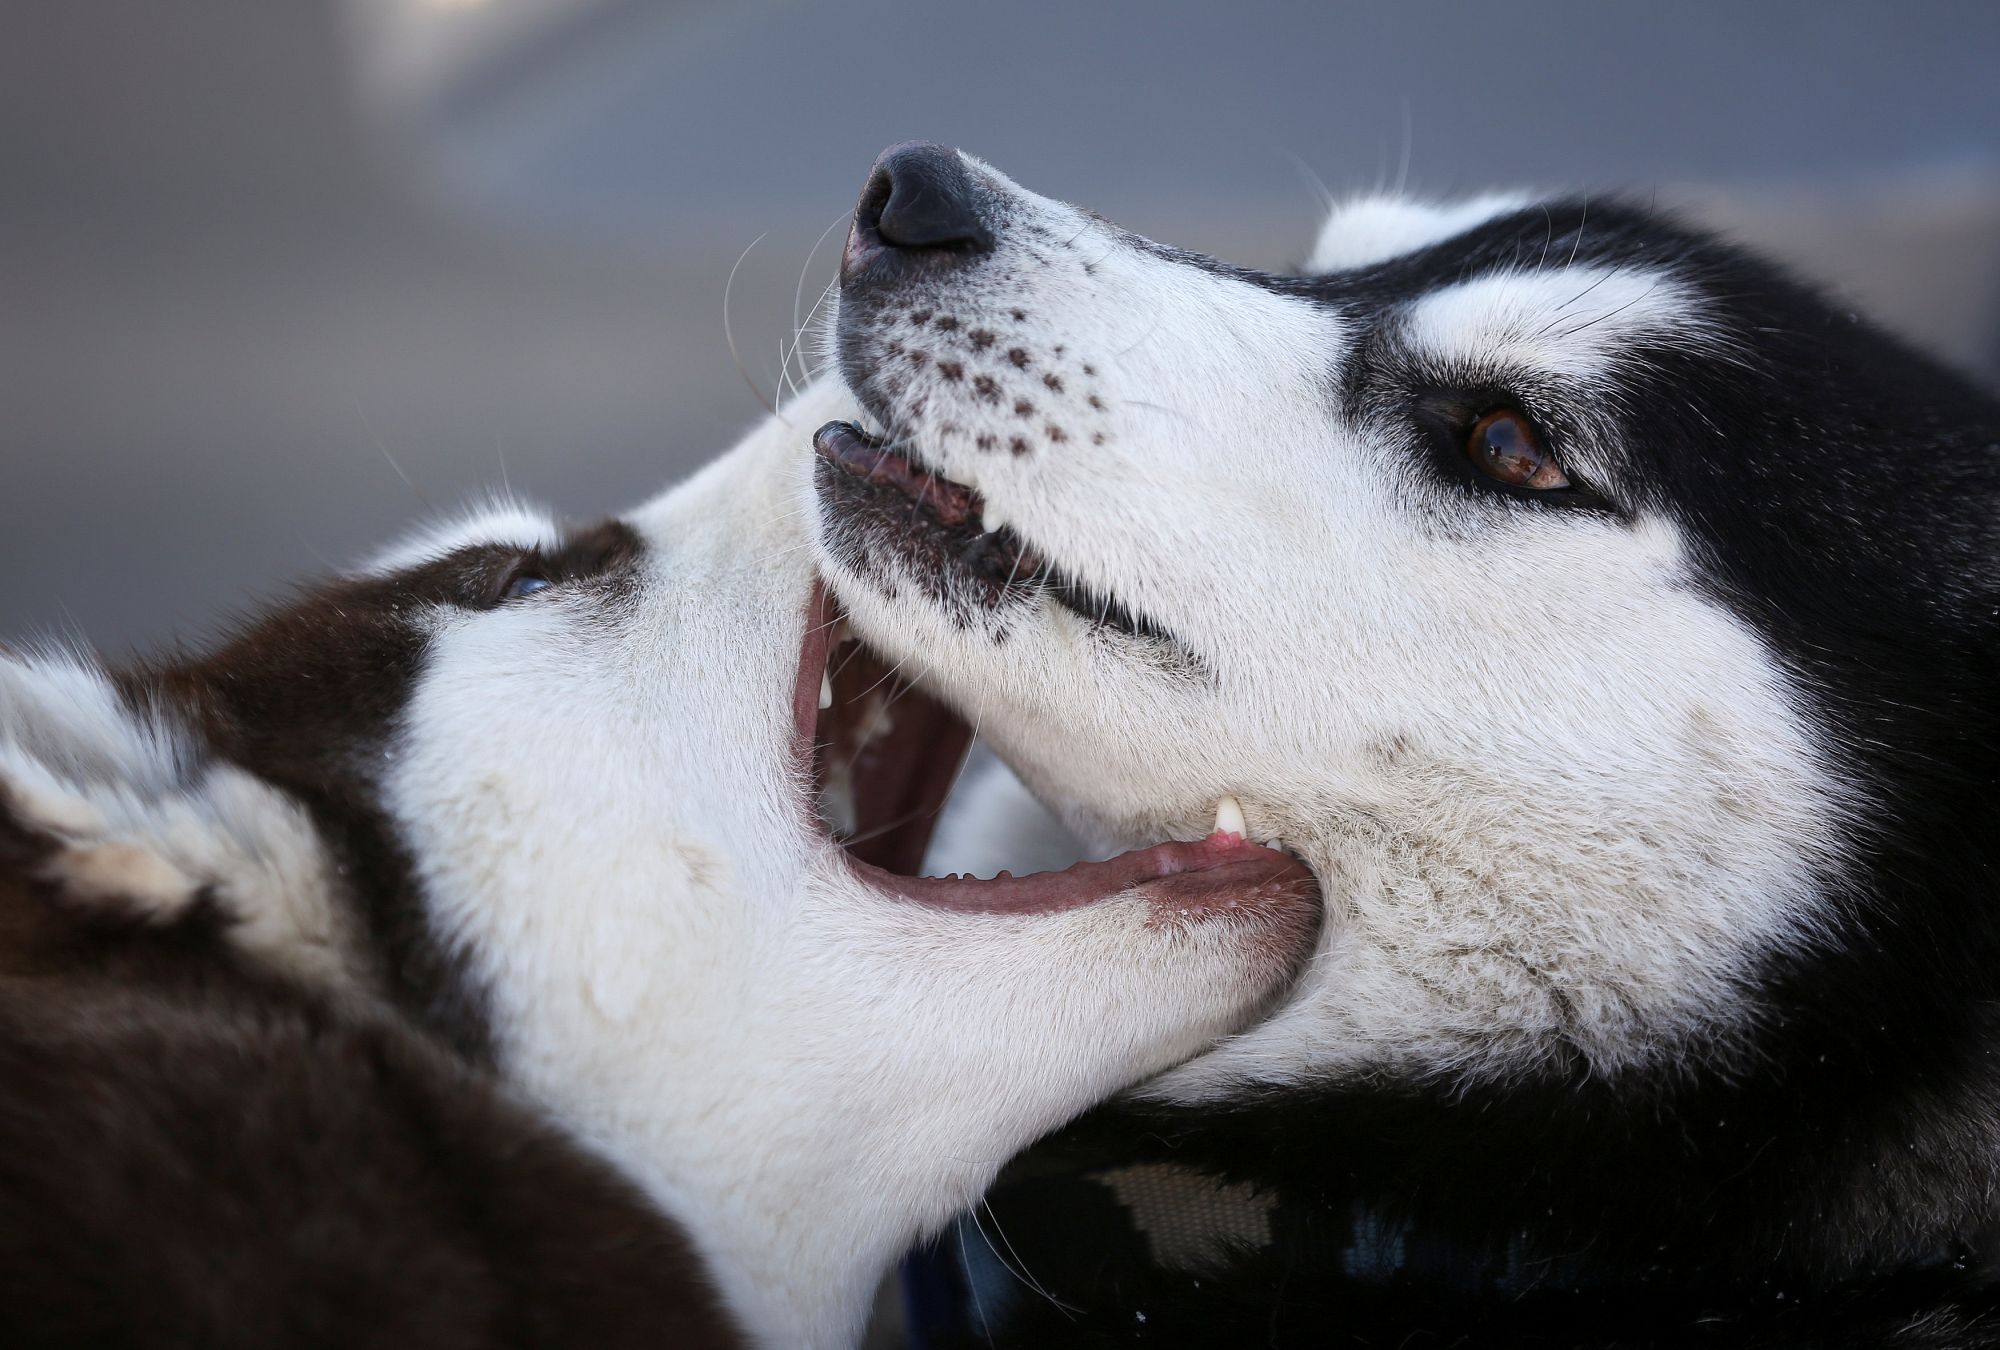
[141,825]
[497,521]
[1565,321]
[1372,229]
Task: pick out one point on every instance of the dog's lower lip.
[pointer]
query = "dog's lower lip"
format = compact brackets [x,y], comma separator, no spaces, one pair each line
[1207,876]
[858,453]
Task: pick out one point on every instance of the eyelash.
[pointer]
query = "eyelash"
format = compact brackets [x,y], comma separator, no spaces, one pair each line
[1448,420]
[531,572]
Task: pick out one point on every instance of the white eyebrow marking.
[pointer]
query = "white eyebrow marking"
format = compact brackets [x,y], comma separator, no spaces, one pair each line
[1570,322]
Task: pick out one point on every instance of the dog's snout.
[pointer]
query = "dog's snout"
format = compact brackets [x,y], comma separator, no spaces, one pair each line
[920,206]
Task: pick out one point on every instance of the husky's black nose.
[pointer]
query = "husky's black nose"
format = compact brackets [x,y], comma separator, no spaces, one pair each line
[920,207]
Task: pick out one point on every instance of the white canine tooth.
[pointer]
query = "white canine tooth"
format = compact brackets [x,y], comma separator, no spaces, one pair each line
[825,691]
[1229,817]
[990,519]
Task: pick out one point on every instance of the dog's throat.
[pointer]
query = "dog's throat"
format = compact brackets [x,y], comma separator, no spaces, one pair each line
[885,760]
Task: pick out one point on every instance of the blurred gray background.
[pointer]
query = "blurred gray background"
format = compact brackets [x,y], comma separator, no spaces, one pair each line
[279,277]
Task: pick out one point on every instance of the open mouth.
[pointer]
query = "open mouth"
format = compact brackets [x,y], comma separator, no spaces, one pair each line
[885,755]
[937,530]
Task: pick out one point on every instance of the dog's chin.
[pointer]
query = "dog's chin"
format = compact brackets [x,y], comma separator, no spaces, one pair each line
[885,755]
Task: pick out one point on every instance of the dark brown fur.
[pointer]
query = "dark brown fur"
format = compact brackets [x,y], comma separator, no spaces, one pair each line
[193,1154]
[198,1152]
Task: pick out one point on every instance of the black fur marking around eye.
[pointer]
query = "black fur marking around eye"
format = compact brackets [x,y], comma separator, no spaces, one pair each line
[1836,492]
[1443,417]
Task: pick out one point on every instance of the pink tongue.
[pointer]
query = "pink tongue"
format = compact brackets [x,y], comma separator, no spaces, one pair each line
[1221,872]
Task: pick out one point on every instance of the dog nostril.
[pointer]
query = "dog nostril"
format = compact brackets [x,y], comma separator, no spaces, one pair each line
[874,196]
[922,197]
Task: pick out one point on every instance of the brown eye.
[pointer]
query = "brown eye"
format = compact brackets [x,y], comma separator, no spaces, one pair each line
[1504,446]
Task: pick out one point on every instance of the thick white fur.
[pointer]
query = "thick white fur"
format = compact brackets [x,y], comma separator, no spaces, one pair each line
[806,1072]
[142,824]
[1561,802]
[601,798]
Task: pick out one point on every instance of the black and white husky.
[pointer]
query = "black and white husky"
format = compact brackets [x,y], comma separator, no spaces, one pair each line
[1609,622]
[455,958]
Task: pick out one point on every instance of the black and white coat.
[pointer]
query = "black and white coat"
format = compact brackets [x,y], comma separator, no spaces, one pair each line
[1647,759]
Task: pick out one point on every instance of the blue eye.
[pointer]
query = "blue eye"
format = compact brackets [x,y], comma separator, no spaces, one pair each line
[526,584]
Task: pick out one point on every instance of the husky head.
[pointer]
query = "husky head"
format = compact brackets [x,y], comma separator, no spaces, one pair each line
[552,793]
[1585,602]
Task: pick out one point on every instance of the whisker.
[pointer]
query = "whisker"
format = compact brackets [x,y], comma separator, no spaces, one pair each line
[383,446]
[799,335]
[1582,220]
[798,291]
[770,405]
[1312,179]
[1017,1267]
[1403,169]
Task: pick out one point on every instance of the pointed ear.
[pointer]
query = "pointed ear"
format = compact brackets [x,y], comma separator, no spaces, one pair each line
[77,767]
[121,816]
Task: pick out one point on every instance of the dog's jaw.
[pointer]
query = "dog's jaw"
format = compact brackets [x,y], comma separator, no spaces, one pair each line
[543,794]
[807,1072]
